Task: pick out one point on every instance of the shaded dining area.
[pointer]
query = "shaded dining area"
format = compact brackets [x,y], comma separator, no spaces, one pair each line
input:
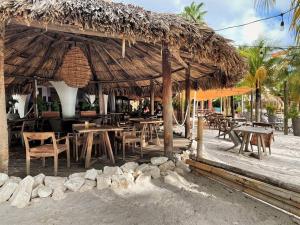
[74,78]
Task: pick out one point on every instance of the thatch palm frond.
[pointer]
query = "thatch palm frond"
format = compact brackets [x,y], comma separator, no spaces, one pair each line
[261,74]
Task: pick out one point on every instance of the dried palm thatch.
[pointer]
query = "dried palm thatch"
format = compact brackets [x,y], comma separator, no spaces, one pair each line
[75,70]
[100,29]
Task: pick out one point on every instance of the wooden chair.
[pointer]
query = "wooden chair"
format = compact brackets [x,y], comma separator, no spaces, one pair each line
[267,139]
[128,137]
[45,150]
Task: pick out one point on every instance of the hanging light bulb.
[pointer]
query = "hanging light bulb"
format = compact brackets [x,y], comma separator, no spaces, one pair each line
[261,52]
[282,23]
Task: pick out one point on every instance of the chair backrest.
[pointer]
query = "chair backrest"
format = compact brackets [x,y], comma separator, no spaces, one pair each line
[78,125]
[38,136]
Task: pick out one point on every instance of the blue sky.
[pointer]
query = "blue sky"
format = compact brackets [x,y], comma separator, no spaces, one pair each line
[224,13]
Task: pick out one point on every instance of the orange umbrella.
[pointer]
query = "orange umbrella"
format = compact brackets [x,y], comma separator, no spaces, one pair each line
[219,93]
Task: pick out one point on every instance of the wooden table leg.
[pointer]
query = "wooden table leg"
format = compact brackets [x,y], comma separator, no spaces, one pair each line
[157,137]
[108,147]
[247,142]
[89,146]
[259,145]
[263,144]
[243,143]
[143,138]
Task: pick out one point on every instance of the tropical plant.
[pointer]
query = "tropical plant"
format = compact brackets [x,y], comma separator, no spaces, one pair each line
[293,112]
[271,109]
[261,67]
[294,5]
[194,12]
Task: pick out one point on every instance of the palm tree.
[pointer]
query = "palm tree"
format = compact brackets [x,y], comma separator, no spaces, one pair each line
[287,77]
[194,12]
[260,67]
[294,4]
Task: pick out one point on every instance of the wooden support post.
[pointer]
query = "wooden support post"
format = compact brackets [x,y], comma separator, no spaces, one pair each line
[101,100]
[221,105]
[200,147]
[188,102]
[123,48]
[257,103]
[35,94]
[3,118]
[232,106]
[112,102]
[242,105]
[167,100]
[152,97]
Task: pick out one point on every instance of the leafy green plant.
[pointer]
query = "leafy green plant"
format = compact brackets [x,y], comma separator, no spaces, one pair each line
[42,106]
[238,109]
[55,106]
[271,109]
[293,112]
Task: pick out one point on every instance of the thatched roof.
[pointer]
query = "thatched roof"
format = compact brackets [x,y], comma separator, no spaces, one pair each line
[98,28]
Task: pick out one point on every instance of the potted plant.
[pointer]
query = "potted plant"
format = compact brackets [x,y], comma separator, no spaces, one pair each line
[294,114]
[87,109]
[271,109]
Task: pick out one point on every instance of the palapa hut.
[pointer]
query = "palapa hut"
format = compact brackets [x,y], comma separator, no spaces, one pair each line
[126,48]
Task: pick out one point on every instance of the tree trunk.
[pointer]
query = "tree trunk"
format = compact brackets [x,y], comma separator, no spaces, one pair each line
[257,103]
[188,102]
[3,117]
[167,100]
[152,97]
[251,106]
[285,100]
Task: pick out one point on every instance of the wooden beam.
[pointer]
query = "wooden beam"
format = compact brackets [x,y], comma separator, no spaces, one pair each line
[152,91]
[3,118]
[35,94]
[123,47]
[167,100]
[188,102]
[101,100]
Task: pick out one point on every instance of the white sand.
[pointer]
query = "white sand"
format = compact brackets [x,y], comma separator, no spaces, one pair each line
[283,164]
[210,203]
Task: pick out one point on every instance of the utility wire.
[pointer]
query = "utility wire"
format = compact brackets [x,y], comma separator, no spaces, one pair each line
[259,20]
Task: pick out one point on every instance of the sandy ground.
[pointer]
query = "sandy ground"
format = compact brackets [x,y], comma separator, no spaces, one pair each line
[156,203]
[283,164]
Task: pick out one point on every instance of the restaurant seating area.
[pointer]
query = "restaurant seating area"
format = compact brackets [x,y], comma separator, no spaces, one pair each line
[83,142]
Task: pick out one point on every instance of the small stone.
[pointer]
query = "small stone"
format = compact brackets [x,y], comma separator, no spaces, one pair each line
[112,170]
[154,171]
[44,191]
[34,193]
[91,174]
[185,167]
[75,183]
[55,182]
[58,194]
[22,195]
[179,171]
[122,181]
[15,179]
[169,165]
[103,181]
[3,178]
[82,174]
[88,185]
[158,160]
[143,179]
[140,169]
[129,167]
[7,190]
[38,179]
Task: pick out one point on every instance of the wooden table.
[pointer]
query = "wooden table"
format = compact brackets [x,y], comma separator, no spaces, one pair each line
[87,149]
[148,123]
[247,131]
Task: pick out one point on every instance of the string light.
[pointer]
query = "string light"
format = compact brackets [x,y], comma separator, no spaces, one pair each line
[282,23]
[259,20]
